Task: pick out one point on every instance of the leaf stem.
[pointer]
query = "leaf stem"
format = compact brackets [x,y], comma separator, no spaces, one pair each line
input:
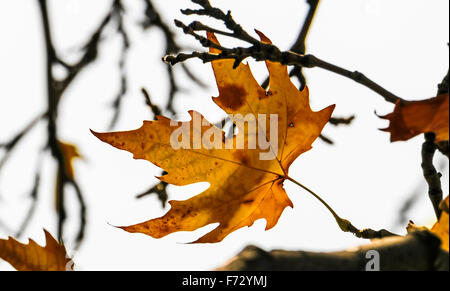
[344,224]
[339,220]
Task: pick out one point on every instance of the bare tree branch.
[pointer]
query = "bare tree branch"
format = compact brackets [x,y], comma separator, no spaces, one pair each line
[118,12]
[154,19]
[419,250]
[258,50]
[55,90]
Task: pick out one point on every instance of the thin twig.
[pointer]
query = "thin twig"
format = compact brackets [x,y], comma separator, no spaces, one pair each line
[403,215]
[326,139]
[10,145]
[34,198]
[153,107]
[81,231]
[154,19]
[341,120]
[117,12]
[260,51]
[299,45]
[160,190]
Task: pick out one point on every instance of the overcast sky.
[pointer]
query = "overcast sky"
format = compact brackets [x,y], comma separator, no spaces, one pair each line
[402,45]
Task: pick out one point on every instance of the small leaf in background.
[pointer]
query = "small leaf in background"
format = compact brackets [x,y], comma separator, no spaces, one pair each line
[411,118]
[33,257]
[70,153]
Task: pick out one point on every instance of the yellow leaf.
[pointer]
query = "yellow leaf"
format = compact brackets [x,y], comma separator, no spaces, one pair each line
[33,257]
[440,228]
[243,186]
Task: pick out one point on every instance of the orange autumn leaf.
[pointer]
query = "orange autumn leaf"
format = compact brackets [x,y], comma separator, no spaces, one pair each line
[243,186]
[33,257]
[440,228]
[411,118]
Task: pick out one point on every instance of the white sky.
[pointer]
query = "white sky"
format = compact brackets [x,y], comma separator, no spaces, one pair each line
[402,45]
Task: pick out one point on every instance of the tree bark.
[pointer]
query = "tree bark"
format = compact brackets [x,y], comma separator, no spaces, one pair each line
[418,251]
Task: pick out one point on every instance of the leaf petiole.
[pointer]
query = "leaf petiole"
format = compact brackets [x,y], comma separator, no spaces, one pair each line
[344,224]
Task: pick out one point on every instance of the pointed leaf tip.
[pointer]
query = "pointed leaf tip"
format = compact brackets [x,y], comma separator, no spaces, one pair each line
[100,135]
[94,133]
[263,38]
[212,37]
